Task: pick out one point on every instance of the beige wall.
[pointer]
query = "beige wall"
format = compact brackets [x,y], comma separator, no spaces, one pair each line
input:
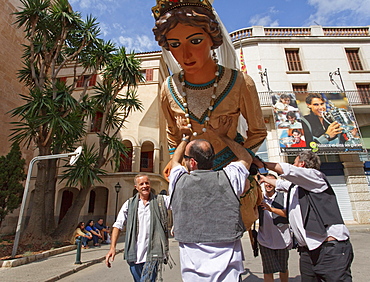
[10,57]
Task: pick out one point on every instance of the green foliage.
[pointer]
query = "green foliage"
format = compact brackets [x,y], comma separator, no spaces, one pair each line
[84,171]
[11,177]
[41,114]
[53,116]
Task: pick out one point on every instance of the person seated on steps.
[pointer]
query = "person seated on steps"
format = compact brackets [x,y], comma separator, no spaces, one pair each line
[81,232]
[104,230]
[94,231]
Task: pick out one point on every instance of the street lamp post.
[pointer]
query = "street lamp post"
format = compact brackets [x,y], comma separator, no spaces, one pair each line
[264,81]
[74,157]
[337,72]
[117,187]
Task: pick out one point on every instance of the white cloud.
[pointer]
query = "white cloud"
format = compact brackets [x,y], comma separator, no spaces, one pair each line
[340,12]
[104,29]
[138,43]
[265,19]
[95,7]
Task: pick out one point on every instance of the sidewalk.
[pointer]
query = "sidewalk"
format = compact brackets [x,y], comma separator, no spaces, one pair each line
[62,265]
[58,266]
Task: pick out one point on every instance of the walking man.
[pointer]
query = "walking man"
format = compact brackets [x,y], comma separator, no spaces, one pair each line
[146,241]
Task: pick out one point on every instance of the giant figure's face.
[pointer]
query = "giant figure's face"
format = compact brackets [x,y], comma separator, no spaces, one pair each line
[317,106]
[191,47]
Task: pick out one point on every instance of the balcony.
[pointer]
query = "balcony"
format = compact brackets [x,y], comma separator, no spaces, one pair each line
[315,31]
[355,98]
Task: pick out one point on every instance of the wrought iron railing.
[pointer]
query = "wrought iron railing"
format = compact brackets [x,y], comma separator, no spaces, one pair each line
[355,98]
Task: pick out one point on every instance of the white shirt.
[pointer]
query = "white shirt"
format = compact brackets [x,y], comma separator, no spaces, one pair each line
[143,214]
[270,235]
[314,181]
[213,261]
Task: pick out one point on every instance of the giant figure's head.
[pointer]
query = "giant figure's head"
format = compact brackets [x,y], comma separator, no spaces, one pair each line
[196,13]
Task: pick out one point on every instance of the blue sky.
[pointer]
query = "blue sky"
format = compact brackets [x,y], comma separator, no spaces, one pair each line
[129,23]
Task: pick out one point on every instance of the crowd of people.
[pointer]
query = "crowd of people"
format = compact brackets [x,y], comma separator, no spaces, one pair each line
[300,206]
[205,104]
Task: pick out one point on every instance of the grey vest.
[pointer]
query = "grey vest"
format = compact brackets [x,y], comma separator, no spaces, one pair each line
[205,208]
[319,210]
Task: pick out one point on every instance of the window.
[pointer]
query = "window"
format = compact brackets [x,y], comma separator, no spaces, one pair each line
[146,161]
[82,79]
[126,162]
[299,87]
[67,199]
[354,59]
[92,202]
[62,79]
[96,122]
[149,74]
[364,92]
[292,57]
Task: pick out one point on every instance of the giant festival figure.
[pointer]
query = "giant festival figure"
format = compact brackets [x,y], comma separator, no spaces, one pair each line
[203,90]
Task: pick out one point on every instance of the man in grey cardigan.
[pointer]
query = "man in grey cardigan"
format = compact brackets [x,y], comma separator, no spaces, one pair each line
[146,242]
[205,205]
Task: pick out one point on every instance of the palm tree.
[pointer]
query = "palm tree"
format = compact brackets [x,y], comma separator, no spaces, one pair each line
[50,118]
[115,98]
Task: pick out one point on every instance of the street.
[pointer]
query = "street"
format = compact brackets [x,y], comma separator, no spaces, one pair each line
[253,267]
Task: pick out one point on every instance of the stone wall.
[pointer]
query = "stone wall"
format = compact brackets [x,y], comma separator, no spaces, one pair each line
[11,40]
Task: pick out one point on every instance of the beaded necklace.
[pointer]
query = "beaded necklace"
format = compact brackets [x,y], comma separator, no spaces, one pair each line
[211,103]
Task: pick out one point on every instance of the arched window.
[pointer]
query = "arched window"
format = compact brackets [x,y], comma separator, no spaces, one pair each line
[67,199]
[92,202]
[146,159]
[126,161]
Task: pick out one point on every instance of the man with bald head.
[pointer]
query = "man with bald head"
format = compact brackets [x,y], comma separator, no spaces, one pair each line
[205,205]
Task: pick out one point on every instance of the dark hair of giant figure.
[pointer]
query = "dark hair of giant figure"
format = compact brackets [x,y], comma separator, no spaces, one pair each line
[192,16]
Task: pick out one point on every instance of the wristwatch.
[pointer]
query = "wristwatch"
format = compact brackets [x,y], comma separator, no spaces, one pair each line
[327,136]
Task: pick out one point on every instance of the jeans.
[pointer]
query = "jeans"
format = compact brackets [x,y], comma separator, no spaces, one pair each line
[84,241]
[137,269]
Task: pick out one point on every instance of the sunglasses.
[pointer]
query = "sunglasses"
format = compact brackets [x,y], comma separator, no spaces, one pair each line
[188,157]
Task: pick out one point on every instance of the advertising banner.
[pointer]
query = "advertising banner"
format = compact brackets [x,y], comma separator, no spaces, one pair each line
[321,122]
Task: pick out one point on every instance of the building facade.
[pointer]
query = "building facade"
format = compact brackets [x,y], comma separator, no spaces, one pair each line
[287,60]
[11,52]
[144,135]
[323,60]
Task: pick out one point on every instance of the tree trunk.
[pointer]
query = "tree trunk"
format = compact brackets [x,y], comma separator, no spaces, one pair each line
[35,229]
[70,220]
[50,196]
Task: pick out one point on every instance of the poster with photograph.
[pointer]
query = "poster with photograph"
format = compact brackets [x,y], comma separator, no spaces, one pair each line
[321,122]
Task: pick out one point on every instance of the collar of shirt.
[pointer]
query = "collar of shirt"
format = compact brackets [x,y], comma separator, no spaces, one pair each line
[269,199]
